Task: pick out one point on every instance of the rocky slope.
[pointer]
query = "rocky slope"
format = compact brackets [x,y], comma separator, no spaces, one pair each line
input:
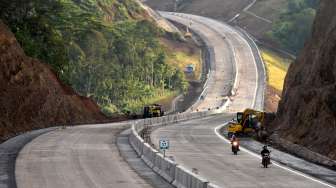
[307,111]
[32,96]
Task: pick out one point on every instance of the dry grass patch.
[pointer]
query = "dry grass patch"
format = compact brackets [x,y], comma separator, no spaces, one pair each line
[276,67]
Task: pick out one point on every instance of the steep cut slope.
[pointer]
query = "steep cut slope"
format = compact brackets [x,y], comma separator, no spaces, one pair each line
[307,111]
[32,96]
[106,49]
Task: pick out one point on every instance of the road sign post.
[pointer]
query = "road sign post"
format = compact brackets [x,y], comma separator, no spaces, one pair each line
[164,145]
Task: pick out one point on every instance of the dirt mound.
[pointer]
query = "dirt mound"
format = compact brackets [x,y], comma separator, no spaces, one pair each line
[32,96]
[307,111]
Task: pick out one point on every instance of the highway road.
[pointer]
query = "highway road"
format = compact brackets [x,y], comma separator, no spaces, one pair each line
[195,144]
[87,156]
[233,67]
[77,157]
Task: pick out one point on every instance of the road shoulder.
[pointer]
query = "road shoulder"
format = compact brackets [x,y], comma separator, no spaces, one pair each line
[9,151]
[137,164]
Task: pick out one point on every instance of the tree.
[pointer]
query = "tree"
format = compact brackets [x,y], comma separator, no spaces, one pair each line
[294,25]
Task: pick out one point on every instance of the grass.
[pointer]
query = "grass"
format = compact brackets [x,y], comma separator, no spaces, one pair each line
[276,67]
[163,98]
[182,59]
[180,54]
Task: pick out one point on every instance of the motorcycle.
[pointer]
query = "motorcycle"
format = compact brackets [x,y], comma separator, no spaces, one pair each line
[235,147]
[266,160]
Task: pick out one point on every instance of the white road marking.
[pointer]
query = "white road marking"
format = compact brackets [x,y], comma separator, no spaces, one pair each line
[274,163]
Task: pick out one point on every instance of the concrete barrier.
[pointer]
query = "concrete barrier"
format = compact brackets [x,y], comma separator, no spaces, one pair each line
[165,167]
[210,185]
[186,179]
[148,155]
[136,141]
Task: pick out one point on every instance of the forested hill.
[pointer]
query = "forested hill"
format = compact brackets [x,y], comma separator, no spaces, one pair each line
[108,50]
[294,26]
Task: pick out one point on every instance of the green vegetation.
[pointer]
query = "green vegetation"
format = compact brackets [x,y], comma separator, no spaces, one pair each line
[105,49]
[295,24]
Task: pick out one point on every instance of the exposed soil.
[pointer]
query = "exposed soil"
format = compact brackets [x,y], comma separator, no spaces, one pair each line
[272,99]
[32,96]
[307,111]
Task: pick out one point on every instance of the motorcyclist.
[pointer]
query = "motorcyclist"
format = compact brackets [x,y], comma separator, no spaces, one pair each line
[235,139]
[264,151]
[264,156]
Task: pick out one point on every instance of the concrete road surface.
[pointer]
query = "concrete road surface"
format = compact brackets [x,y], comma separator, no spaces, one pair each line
[87,156]
[78,157]
[194,144]
[234,64]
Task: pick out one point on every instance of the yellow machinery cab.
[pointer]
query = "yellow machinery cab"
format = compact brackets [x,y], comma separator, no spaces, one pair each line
[246,123]
[154,110]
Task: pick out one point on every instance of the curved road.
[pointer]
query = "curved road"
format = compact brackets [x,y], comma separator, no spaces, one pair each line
[233,68]
[87,156]
[77,157]
[195,144]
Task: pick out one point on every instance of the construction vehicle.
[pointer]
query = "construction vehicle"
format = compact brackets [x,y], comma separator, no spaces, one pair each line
[250,122]
[188,34]
[154,110]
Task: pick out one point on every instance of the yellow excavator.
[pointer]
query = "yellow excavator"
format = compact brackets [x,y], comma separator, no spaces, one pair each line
[154,110]
[250,122]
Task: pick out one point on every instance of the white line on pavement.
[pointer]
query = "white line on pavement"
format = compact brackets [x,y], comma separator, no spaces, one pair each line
[276,164]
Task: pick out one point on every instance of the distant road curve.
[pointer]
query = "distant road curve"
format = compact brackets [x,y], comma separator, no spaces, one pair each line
[234,69]
[195,144]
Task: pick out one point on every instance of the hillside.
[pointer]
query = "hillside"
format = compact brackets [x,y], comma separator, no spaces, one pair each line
[307,111]
[32,96]
[284,24]
[108,50]
[257,19]
[291,30]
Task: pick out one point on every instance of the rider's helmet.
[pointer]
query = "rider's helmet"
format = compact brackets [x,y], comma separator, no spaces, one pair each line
[265,147]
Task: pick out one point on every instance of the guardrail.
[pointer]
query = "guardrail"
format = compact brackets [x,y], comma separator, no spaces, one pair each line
[172,172]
